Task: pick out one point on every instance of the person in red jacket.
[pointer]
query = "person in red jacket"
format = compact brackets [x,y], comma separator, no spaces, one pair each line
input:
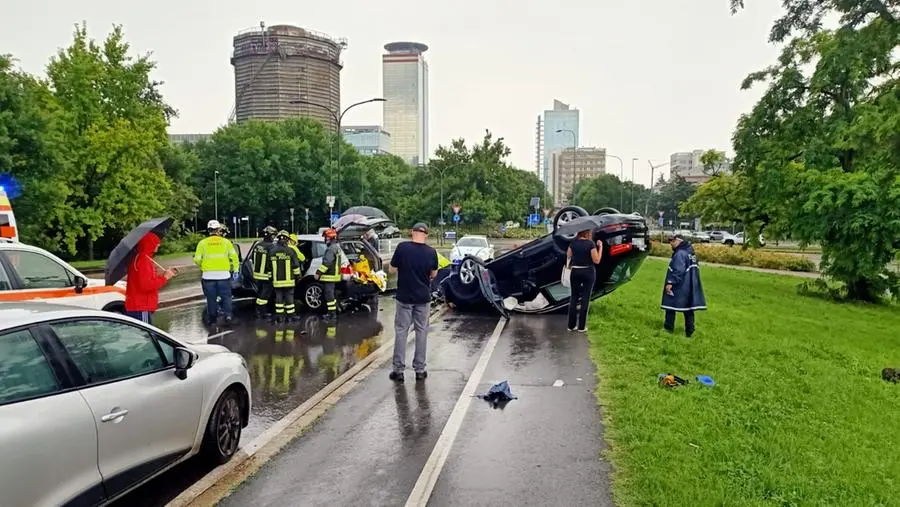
[144,280]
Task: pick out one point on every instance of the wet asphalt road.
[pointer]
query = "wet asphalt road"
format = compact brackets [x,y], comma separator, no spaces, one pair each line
[288,364]
[541,449]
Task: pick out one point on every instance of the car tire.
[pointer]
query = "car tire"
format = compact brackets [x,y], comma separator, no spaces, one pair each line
[567,214]
[467,273]
[729,242]
[312,295]
[116,307]
[223,431]
[607,211]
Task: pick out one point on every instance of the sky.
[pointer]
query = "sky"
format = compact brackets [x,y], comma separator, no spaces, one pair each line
[650,77]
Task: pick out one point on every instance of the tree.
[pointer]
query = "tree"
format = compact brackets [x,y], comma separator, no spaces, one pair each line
[30,155]
[181,165]
[480,180]
[713,162]
[671,196]
[820,152]
[114,130]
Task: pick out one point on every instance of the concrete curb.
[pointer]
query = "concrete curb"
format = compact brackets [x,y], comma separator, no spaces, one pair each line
[218,484]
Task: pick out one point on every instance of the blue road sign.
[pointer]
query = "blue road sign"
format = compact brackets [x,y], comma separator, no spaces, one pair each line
[534,219]
[335,217]
[456,218]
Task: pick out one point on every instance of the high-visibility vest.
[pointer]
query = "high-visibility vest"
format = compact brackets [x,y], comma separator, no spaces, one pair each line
[216,253]
[443,262]
[329,271]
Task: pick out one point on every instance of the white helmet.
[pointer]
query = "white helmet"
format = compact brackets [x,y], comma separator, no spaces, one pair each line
[213,225]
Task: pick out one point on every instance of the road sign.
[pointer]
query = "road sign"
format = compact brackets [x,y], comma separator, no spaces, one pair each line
[307,213]
[534,219]
[547,212]
[335,217]
[329,200]
[456,218]
[546,221]
[456,208]
[661,213]
[536,202]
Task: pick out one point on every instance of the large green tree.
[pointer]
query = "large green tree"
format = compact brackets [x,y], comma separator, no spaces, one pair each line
[114,130]
[819,154]
[31,155]
[480,180]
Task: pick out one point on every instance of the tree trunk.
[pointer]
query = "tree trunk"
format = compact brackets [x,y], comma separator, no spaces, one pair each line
[861,290]
[90,249]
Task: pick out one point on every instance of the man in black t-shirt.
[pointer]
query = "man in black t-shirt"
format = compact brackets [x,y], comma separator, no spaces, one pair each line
[416,265]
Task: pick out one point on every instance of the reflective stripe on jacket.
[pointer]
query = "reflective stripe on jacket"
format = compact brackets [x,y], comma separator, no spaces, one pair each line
[216,253]
[285,267]
[261,266]
[329,271]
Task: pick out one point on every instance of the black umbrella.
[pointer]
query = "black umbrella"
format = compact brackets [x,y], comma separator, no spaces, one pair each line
[117,264]
[366,211]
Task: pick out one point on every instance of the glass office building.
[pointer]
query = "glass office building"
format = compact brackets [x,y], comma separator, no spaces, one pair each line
[368,139]
[405,89]
[561,117]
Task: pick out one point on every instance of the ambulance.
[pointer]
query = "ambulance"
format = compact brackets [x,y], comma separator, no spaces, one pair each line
[29,273]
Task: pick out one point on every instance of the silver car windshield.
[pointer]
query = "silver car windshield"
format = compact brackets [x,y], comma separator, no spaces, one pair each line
[472,242]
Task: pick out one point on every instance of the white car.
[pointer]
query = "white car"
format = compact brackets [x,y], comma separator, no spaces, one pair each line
[738,239]
[477,246]
[29,273]
[94,404]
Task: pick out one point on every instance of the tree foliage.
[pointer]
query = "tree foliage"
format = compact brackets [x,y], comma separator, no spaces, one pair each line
[819,154]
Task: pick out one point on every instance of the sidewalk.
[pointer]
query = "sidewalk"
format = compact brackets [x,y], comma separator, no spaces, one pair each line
[378,444]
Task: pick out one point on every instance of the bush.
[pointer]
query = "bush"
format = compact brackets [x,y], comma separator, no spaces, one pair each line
[179,244]
[741,257]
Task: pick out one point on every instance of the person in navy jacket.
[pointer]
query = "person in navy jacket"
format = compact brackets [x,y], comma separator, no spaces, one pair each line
[683,291]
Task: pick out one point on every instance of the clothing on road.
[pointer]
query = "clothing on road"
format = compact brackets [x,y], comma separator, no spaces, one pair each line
[144,279]
[683,291]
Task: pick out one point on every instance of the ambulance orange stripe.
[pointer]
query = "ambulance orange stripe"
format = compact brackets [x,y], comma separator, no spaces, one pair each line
[26,295]
[5,207]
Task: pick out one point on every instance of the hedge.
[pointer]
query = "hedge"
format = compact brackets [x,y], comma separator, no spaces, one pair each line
[741,257]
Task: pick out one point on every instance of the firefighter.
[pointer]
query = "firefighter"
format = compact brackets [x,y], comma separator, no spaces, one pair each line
[300,256]
[262,275]
[285,268]
[329,272]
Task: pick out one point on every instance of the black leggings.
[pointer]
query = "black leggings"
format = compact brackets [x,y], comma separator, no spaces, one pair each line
[582,283]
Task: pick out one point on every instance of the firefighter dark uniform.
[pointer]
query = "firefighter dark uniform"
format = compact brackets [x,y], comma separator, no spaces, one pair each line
[262,275]
[285,269]
[329,272]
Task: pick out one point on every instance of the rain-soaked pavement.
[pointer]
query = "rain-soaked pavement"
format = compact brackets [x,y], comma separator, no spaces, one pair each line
[371,448]
[288,364]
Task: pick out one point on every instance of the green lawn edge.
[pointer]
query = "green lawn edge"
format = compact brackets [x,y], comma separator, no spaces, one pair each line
[799,416]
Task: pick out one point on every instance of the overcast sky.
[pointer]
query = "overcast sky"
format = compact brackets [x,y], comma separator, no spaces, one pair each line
[650,77]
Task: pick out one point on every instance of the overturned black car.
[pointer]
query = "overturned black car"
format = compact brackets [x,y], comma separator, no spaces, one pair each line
[527,279]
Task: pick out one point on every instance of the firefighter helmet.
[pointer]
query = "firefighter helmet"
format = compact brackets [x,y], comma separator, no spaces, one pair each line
[329,234]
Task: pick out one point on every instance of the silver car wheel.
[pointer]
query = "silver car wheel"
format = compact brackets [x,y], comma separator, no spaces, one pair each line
[467,271]
[313,296]
[566,218]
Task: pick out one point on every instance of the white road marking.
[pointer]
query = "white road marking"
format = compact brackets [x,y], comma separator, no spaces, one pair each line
[211,337]
[431,471]
[559,383]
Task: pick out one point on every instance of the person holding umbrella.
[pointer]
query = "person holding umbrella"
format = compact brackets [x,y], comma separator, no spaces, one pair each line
[144,280]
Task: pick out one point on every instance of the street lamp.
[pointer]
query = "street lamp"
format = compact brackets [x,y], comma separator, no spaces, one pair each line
[653,169]
[338,117]
[633,160]
[441,172]
[621,169]
[216,191]
[574,149]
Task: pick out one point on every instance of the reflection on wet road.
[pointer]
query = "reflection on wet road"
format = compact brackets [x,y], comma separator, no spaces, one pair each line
[288,364]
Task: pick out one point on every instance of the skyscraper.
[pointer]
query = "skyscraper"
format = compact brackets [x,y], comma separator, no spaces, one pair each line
[561,117]
[279,64]
[405,89]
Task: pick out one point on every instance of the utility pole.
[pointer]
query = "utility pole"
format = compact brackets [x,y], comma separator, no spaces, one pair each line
[652,184]
[216,191]
[632,184]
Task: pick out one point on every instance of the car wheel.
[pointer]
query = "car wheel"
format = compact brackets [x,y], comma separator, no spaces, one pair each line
[568,214]
[607,211]
[729,242]
[223,432]
[314,296]
[117,307]
[467,271]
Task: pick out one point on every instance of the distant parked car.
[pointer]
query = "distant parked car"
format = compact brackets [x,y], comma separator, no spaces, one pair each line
[717,236]
[738,239]
[701,237]
[94,404]
[477,246]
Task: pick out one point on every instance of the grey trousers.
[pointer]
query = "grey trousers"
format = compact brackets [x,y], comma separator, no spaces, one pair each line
[410,316]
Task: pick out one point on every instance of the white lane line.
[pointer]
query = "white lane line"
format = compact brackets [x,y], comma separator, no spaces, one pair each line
[205,340]
[421,492]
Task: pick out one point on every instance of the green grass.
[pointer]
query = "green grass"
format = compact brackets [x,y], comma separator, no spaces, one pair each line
[101,263]
[799,415]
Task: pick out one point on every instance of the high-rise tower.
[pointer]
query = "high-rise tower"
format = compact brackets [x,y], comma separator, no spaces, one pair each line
[405,89]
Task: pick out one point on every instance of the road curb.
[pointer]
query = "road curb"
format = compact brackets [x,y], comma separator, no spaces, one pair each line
[218,484]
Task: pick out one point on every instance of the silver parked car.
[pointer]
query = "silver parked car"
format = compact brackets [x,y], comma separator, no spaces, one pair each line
[93,404]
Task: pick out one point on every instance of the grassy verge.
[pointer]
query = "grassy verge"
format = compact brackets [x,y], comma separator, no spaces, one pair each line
[799,415]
